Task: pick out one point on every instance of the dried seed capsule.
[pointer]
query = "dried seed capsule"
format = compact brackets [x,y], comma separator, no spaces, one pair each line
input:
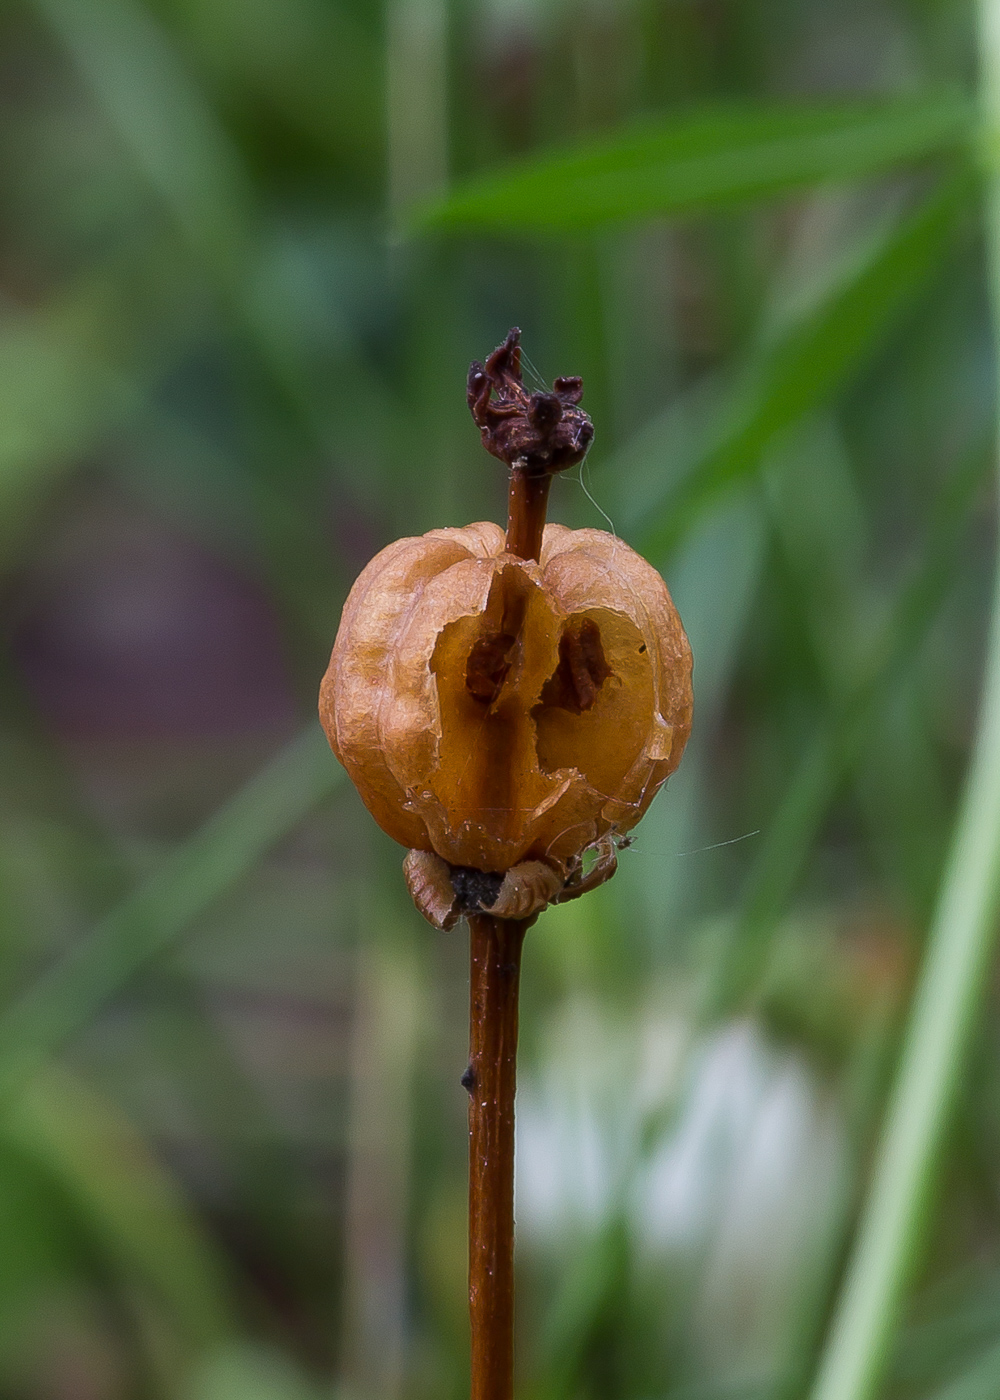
[495,710]
[505,702]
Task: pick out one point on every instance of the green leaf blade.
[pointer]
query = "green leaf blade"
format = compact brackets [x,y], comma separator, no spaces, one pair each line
[703,159]
[161,909]
[811,362]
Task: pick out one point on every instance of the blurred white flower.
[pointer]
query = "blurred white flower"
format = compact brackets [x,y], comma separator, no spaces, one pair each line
[739,1188]
[579,1114]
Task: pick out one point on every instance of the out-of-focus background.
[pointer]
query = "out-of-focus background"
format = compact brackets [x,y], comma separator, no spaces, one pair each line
[247,251]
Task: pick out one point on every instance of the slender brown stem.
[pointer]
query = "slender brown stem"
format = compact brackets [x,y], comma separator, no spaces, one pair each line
[495,946]
[526,503]
[535,434]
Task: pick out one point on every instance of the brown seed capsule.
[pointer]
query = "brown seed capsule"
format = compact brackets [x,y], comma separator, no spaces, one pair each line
[497,710]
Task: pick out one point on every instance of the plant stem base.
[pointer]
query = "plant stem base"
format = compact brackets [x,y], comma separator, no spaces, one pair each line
[495,968]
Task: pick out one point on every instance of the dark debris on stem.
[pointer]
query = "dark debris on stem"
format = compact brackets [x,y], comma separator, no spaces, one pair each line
[535,433]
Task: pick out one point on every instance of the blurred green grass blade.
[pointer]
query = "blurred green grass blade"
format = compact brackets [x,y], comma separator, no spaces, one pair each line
[714,582]
[161,910]
[126,1202]
[50,392]
[164,122]
[140,82]
[962,1326]
[316,66]
[74,367]
[954,975]
[58,392]
[591,1292]
[704,159]
[827,759]
[979,1381]
[248,1371]
[807,365]
[161,117]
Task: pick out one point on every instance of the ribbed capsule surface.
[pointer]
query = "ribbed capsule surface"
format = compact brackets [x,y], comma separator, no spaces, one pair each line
[494,710]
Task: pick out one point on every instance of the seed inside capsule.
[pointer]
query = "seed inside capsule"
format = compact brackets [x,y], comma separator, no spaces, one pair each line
[582,669]
[488,664]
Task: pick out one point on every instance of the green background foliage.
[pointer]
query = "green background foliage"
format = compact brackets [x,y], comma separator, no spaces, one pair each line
[247,251]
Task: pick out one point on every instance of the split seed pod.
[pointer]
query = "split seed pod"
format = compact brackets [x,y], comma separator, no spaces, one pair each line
[504,714]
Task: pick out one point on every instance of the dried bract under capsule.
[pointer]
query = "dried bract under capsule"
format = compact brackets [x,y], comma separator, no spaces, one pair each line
[498,711]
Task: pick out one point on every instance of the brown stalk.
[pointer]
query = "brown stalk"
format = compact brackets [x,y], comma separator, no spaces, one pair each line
[526,503]
[535,434]
[495,946]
